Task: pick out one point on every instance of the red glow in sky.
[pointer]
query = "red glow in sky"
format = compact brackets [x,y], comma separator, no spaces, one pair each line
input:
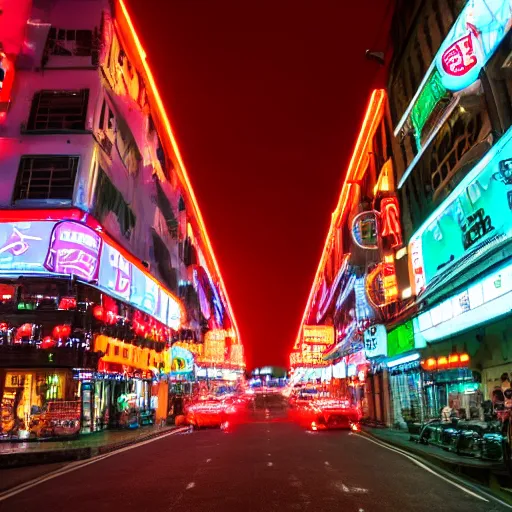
[266,100]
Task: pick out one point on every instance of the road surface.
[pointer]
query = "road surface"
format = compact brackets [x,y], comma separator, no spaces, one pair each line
[259,466]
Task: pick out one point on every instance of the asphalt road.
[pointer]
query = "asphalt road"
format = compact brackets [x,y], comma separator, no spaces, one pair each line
[258,466]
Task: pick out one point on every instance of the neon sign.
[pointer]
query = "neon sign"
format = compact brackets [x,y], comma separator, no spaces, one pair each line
[487,299]
[72,248]
[476,216]
[6,83]
[318,335]
[401,339]
[115,351]
[365,230]
[75,250]
[472,40]
[381,284]
[390,220]
[375,341]
[115,273]
[182,360]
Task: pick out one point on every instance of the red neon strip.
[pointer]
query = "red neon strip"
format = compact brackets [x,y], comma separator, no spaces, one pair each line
[150,81]
[372,118]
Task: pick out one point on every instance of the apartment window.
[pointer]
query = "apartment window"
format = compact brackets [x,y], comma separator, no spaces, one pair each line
[58,110]
[70,42]
[46,177]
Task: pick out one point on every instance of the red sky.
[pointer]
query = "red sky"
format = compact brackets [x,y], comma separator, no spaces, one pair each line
[266,98]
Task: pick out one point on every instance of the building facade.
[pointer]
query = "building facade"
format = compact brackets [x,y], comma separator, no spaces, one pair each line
[109,284]
[437,340]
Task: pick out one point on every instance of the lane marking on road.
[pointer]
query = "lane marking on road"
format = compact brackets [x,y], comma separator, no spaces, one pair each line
[425,467]
[208,460]
[269,454]
[73,466]
[191,485]
[269,464]
[327,463]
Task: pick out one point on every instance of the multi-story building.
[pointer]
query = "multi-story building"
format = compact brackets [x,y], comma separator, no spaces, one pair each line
[357,284]
[449,94]
[443,342]
[105,262]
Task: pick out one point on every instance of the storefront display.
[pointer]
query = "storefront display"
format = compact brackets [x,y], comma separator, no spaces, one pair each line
[38,404]
[406,387]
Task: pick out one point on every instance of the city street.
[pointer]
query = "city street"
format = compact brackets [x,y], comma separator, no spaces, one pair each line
[265,465]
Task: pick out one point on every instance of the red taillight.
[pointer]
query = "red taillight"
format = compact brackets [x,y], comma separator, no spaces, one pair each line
[61,331]
[67,303]
[98,313]
[24,331]
[3,326]
[354,427]
[48,342]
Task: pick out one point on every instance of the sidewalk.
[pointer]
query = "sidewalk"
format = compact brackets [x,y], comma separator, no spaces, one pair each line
[87,445]
[481,470]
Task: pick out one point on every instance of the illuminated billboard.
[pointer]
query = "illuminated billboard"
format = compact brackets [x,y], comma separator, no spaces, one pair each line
[182,360]
[23,246]
[71,248]
[318,334]
[475,217]
[489,298]
[472,40]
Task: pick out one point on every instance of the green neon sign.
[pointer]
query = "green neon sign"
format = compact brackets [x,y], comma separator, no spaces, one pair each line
[432,93]
[401,339]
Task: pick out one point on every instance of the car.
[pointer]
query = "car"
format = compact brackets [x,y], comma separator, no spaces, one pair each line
[208,412]
[327,413]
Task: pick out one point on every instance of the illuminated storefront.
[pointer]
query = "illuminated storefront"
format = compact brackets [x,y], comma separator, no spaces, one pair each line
[109,327]
[38,404]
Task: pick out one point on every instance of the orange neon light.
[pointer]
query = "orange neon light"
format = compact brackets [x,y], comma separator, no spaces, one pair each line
[454,358]
[184,175]
[452,361]
[372,118]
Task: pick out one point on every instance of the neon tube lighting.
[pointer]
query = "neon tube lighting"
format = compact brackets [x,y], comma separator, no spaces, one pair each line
[372,118]
[188,186]
[414,99]
[402,360]
[431,137]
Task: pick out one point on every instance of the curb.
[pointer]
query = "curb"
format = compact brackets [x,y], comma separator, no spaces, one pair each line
[20,459]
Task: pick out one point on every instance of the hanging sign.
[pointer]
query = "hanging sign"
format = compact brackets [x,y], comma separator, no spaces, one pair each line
[376,341]
[365,230]
[472,40]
